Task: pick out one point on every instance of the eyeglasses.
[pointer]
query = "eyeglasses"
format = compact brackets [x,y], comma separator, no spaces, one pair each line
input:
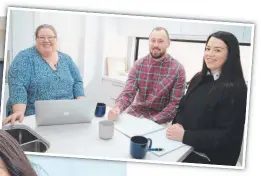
[50,38]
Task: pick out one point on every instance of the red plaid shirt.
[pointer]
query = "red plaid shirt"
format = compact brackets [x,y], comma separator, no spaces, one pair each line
[153,89]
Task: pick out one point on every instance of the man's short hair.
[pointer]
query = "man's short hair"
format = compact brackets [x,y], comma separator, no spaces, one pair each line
[159,29]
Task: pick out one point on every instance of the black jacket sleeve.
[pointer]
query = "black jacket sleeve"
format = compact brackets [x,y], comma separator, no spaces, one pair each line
[228,125]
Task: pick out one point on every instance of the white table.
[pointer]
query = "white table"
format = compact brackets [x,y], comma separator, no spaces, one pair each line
[83,140]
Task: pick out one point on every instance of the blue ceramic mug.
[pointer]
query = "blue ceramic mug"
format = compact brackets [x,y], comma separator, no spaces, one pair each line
[139,146]
[100,110]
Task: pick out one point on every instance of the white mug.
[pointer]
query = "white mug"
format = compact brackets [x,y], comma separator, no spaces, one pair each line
[106,129]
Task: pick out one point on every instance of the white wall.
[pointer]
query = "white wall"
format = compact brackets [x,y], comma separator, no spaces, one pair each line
[93,54]
[22,31]
[115,44]
[102,40]
[141,27]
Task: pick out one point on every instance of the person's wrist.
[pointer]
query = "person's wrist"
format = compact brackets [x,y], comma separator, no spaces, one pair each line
[18,112]
[117,109]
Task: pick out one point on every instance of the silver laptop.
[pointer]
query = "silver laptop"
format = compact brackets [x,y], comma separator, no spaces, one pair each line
[60,112]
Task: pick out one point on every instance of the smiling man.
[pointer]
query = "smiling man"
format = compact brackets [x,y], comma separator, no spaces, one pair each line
[155,83]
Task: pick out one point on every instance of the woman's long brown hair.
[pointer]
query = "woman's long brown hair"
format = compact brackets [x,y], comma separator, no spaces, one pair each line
[13,156]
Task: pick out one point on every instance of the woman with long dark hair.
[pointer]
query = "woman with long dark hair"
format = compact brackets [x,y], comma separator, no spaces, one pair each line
[211,115]
[13,161]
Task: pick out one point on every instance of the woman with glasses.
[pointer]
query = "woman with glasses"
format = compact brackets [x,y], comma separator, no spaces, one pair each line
[41,73]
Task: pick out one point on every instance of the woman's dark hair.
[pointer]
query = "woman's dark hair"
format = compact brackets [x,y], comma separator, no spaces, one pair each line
[232,69]
[13,156]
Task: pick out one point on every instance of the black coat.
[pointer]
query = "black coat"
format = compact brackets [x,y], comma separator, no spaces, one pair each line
[213,116]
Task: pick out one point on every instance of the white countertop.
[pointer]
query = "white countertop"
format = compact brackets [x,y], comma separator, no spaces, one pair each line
[83,140]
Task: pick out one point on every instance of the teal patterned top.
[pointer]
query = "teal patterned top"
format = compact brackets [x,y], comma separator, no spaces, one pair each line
[31,78]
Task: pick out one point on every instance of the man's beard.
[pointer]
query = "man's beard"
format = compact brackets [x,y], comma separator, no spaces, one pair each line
[157,55]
